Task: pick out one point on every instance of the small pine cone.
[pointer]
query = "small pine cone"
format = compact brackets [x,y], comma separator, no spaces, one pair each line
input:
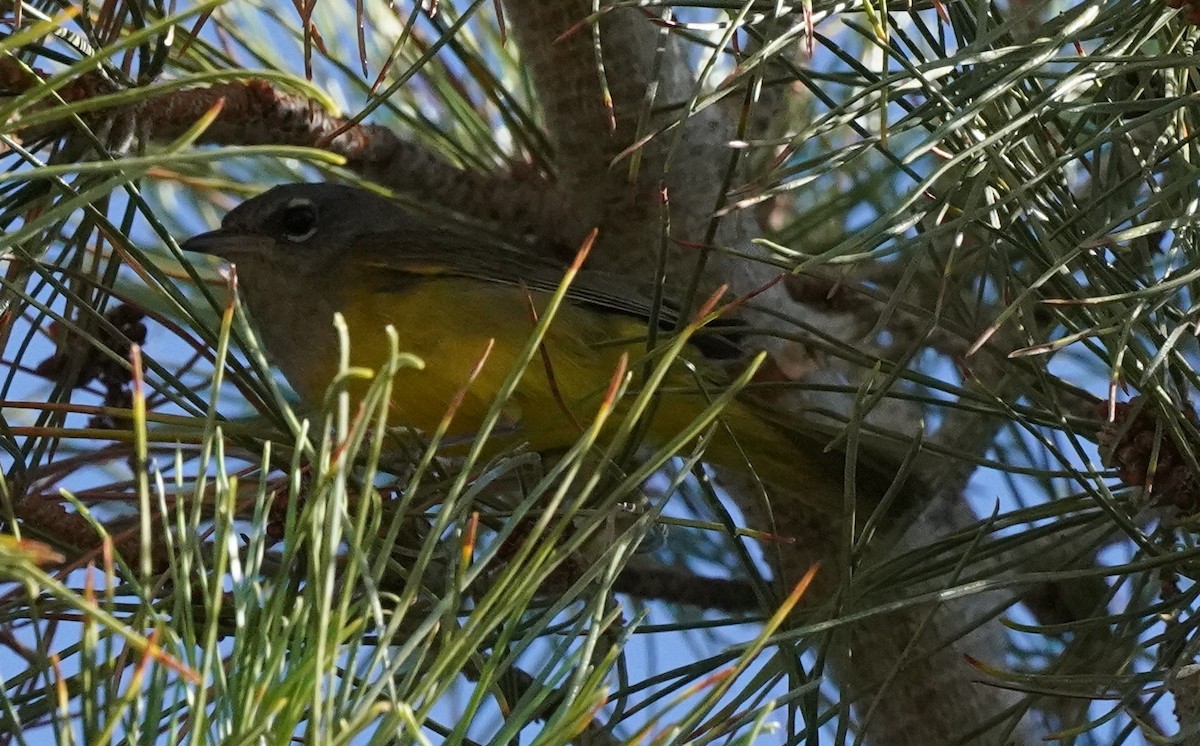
[1129,443]
[93,364]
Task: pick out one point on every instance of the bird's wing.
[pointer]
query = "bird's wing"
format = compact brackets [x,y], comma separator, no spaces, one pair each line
[433,252]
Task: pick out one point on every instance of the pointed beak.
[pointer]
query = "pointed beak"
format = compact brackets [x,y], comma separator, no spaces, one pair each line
[228,243]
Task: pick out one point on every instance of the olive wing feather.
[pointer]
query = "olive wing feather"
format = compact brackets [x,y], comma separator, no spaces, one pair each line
[428,253]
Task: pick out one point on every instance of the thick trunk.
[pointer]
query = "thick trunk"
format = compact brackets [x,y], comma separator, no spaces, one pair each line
[929,692]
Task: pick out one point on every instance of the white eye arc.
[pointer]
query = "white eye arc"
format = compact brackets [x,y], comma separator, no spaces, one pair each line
[298,220]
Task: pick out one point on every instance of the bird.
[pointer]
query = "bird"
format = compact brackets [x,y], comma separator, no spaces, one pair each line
[466,307]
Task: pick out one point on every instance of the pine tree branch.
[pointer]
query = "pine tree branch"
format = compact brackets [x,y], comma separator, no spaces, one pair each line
[257,112]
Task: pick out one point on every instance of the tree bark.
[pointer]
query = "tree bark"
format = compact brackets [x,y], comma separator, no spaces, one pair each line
[930,693]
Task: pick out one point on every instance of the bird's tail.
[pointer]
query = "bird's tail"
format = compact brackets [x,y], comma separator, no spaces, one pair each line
[750,440]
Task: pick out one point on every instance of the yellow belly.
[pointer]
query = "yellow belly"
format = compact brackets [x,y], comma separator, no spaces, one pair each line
[450,323]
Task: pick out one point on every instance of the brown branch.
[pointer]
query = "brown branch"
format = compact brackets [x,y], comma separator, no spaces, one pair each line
[645,578]
[255,112]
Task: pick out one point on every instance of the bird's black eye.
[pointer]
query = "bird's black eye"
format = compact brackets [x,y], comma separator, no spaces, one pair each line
[299,220]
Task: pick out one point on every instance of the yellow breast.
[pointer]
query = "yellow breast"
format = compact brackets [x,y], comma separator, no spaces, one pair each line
[451,323]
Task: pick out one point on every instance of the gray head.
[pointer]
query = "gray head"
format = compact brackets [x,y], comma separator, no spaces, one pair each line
[290,245]
[300,223]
